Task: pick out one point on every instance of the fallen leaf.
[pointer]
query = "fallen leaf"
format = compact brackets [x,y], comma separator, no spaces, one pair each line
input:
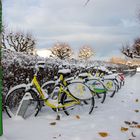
[138,126]
[53,123]
[137,100]
[133,122]
[77,116]
[58,117]
[132,126]
[123,129]
[103,134]
[136,111]
[128,123]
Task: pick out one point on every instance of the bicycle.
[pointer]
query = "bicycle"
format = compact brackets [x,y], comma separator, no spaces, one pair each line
[97,87]
[95,84]
[35,98]
[110,81]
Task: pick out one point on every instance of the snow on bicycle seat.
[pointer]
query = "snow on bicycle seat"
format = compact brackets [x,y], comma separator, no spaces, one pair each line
[102,68]
[83,75]
[112,76]
[41,64]
[64,71]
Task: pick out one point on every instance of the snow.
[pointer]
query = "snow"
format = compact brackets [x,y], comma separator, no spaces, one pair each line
[108,117]
[3,138]
[64,71]
[138,69]
[102,68]
[83,75]
[16,87]
[112,76]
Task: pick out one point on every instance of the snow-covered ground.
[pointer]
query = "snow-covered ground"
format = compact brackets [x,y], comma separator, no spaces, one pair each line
[118,118]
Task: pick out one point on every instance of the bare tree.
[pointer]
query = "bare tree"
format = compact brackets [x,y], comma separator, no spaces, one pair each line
[136,47]
[62,50]
[126,51]
[19,42]
[132,51]
[86,52]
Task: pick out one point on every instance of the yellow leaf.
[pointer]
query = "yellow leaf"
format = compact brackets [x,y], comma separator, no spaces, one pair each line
[77,116]
[138,126]
[103,134]
[123,129]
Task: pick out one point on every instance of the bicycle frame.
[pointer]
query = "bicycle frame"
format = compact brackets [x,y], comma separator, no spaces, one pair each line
[54,103]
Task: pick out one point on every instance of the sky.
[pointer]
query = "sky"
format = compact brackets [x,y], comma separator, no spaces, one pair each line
[105,25]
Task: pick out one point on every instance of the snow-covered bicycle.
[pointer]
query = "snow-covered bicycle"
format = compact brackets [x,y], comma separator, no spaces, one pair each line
[27,99]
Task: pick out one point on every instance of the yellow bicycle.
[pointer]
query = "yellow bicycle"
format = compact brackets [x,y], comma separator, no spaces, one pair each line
[27,99]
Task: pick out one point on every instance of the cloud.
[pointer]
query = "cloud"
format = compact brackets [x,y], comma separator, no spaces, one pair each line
[129,23]
[102,24]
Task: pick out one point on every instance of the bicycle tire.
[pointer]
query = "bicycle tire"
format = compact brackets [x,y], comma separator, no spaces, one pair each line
[14,98]
[103,98]
[83,107]
[101,92]
[49,86]
[116,89]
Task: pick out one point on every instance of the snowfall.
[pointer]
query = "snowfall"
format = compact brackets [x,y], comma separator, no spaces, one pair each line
[118,118]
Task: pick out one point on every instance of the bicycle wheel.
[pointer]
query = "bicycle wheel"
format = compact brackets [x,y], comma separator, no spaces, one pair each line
[97,89]
[49,86]
[110,86]
[101,96]
[84,107]
[116,89]
[14,99]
